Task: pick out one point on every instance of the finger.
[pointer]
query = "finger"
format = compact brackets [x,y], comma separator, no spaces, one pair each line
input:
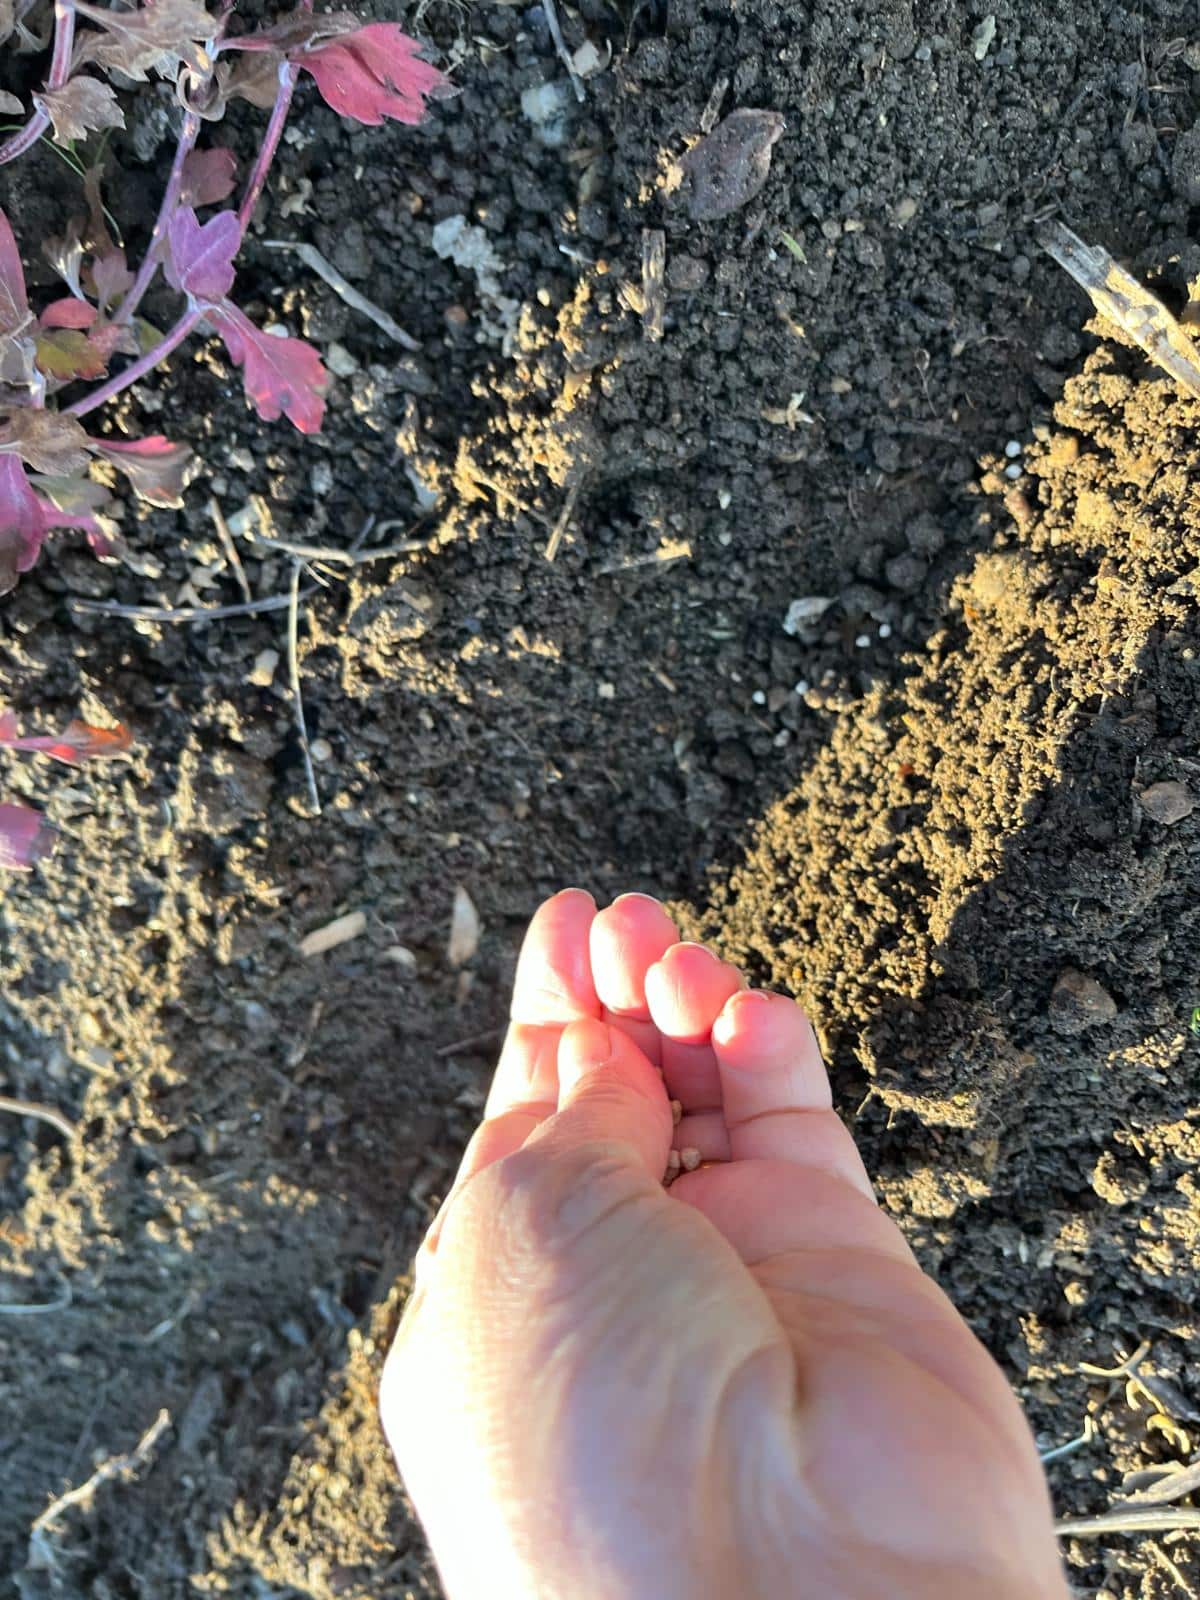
[626,940]
[553,986]
[770,1208]
[685,992]
[608,1094]
[774,1088]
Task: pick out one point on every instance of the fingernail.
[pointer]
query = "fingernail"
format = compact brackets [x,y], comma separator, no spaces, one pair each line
[585,1045]
[635,894]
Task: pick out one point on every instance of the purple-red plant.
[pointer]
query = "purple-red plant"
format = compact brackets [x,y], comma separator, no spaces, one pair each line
[93,334]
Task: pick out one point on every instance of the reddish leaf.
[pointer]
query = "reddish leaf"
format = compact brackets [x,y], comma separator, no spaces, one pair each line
[78,742]
[162,34]
[80,107]
[25,837]
[22,523]
[200,255]
[281,375]
[49,441]
[14,307]
[208,176]
[154,466]
[67,353]
[68,313]
[111,278]
[373,73]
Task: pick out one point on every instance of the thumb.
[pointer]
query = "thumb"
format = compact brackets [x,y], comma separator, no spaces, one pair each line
[608,1093]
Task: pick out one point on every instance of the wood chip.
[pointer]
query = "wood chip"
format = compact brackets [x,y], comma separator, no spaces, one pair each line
[339,931]
[654,292]
[464,929]
[676,1112]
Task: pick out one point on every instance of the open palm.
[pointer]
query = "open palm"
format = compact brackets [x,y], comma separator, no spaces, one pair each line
[741,1385]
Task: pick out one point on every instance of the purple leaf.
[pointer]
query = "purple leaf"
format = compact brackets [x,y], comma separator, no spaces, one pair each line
[22,523]
[25,837]
[208,176]
[373,73]
[281,375]
[154,466]
[200,255]
[111,277]
[14,307]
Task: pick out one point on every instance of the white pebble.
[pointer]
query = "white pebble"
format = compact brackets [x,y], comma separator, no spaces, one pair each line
[1014,471]
[802,687]
[320,749]
[724,499]
[885,630]
[863,641]
[759,697]
[606,691]
[1013,448]
[689,1159]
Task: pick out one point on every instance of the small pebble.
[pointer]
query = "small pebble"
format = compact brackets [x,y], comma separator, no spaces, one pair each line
[885,630]
[863,641]
[1014,470]
[759,697]
[802,686]
[676,1114]
[606,691]
[320,749]
[1012,449]
[689,1159]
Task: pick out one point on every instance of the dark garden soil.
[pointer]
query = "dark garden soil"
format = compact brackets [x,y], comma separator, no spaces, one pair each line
[922,812]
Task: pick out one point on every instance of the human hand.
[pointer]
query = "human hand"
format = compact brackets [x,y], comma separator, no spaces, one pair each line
[742,1385]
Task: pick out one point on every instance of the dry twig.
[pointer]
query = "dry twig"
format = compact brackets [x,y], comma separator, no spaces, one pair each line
[313,258]
[230,548]
[32,1108]
[294,677]
[560,45]
[115,1467]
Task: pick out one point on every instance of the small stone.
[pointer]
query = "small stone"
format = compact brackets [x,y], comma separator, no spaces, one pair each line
[320,750]
[1167,803]
[759,697]
[606,691]
[339,360]
[262,673]
[1014,470]
[1078,1003]
[689,1158]
[1012,449]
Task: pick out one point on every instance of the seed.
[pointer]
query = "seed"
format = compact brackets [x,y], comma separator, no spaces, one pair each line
[676,1112]
[689,1158]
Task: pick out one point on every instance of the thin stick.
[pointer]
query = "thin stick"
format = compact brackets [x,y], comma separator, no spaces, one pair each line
[37,1308]
[307,552]
[294,675]
[114,1467]
[563,522]
[1089,1433]
[1172,1571]
[560,44]
[463,1044]
[31,1108]
[231,549]
[114,608]
[139,368]
[313,258]
[188,135]
[266,151]
[1132,1519]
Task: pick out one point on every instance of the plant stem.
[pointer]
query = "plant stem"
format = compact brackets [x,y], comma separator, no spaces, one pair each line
[60,67]
[139,368]
[266,152]
[170,199]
